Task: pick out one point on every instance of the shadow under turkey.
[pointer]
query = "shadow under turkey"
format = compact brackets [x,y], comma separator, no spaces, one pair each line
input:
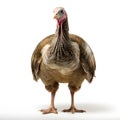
[89,107]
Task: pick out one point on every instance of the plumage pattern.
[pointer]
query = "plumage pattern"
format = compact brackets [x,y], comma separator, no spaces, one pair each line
[63,58]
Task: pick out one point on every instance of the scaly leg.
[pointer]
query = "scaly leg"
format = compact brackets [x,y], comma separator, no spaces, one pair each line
[51,108]
[72,108]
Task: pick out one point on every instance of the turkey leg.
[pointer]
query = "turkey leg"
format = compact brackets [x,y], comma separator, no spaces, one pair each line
[72,108]
[52,108]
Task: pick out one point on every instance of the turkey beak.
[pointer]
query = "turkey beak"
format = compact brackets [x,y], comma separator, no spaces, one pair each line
[56,16]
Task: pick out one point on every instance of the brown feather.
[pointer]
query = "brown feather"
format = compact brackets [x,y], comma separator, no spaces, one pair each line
[36,57]
[87,60]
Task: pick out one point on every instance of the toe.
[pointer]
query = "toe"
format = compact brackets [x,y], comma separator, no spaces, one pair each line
[73,110]
[81,111]
[49,110]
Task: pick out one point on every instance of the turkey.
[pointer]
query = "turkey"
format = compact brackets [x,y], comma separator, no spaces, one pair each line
[62,58]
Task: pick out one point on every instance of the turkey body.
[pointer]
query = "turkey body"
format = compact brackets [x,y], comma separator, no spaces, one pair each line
[66,72]
[63,58]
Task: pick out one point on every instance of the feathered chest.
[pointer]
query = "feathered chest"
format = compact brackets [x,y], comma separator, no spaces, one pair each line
[64,58]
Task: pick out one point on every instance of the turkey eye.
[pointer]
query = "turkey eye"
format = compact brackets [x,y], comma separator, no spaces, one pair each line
[61,11]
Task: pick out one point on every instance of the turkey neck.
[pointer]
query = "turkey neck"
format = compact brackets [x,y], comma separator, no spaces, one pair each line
[61,48]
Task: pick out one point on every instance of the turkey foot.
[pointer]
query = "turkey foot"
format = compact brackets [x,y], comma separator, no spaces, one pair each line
[49,110]
[73,110]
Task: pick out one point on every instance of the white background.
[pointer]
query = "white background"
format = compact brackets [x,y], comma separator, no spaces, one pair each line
[23,23]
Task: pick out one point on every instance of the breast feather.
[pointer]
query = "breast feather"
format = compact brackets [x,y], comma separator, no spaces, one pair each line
[68,67]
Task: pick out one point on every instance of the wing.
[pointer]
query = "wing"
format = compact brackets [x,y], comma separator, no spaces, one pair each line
[36,58]
[87,59]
